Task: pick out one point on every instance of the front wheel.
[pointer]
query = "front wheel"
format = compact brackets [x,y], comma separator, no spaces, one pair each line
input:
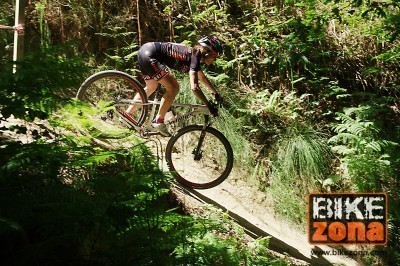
[198,157]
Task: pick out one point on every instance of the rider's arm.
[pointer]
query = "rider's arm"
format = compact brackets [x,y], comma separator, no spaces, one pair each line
[194,85]
[206,82]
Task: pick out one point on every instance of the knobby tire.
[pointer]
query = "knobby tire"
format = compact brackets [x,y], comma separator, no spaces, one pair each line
[103,89]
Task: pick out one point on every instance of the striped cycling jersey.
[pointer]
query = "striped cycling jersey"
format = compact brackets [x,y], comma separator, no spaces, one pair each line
[178,56]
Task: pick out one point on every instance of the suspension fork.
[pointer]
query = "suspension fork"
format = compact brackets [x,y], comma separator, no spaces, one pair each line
[197,152]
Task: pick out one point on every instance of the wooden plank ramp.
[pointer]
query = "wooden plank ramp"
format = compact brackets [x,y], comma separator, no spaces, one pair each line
[283,240]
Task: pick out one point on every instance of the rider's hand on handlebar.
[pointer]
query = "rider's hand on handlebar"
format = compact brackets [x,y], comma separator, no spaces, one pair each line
[212,108]
[219,98]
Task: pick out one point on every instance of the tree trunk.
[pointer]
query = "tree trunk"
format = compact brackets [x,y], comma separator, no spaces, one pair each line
[171,22]
[138,22]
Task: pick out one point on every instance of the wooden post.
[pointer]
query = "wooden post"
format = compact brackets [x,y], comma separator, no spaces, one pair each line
[19,34]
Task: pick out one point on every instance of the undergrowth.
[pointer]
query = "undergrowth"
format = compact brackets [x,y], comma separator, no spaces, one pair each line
[300,164]
[73,201]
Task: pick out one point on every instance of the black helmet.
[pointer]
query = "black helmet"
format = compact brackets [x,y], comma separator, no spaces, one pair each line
[211,43]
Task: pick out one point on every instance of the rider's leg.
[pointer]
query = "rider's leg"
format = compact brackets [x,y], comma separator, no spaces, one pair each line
[151,86]
[172,87]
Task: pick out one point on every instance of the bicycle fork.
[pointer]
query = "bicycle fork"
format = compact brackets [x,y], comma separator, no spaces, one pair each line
[197,152]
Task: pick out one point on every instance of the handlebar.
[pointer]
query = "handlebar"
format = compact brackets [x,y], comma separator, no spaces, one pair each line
[213,105]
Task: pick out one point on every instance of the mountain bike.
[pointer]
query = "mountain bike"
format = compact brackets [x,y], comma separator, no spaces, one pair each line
[198,155]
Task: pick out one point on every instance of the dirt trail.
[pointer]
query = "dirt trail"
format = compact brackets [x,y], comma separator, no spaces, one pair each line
[244,204]
[252,210]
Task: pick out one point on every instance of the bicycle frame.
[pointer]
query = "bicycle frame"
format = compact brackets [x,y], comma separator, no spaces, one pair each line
[192,144]
[143,129]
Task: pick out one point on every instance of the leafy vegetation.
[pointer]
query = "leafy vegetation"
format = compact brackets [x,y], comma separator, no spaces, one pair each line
[81,205]
[311,87]
[71,201]
[36,91]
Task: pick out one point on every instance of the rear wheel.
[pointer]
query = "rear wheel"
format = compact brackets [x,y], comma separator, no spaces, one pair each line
[104,89]
[199,158]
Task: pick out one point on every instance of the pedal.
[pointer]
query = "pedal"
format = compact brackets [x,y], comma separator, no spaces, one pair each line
[145,133]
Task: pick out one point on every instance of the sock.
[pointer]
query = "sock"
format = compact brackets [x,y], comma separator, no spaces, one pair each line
[159,120]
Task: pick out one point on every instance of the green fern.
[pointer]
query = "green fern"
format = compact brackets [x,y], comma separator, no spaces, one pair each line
[362,136]
[364,154]
[97,159]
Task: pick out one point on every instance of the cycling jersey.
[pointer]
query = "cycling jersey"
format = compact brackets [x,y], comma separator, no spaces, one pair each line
[154,57]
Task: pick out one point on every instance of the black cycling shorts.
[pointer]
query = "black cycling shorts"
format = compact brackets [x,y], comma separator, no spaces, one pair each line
[150,66]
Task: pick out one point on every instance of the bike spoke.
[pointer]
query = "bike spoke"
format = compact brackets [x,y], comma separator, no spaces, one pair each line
[105,89]
[200,166]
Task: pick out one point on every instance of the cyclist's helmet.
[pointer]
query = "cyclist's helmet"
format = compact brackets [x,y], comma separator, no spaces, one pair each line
[211,43]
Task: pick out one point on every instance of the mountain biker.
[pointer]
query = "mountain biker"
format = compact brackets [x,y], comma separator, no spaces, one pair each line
[155,59]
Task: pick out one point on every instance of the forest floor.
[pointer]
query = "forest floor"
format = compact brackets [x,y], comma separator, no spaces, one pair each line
[244,202]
